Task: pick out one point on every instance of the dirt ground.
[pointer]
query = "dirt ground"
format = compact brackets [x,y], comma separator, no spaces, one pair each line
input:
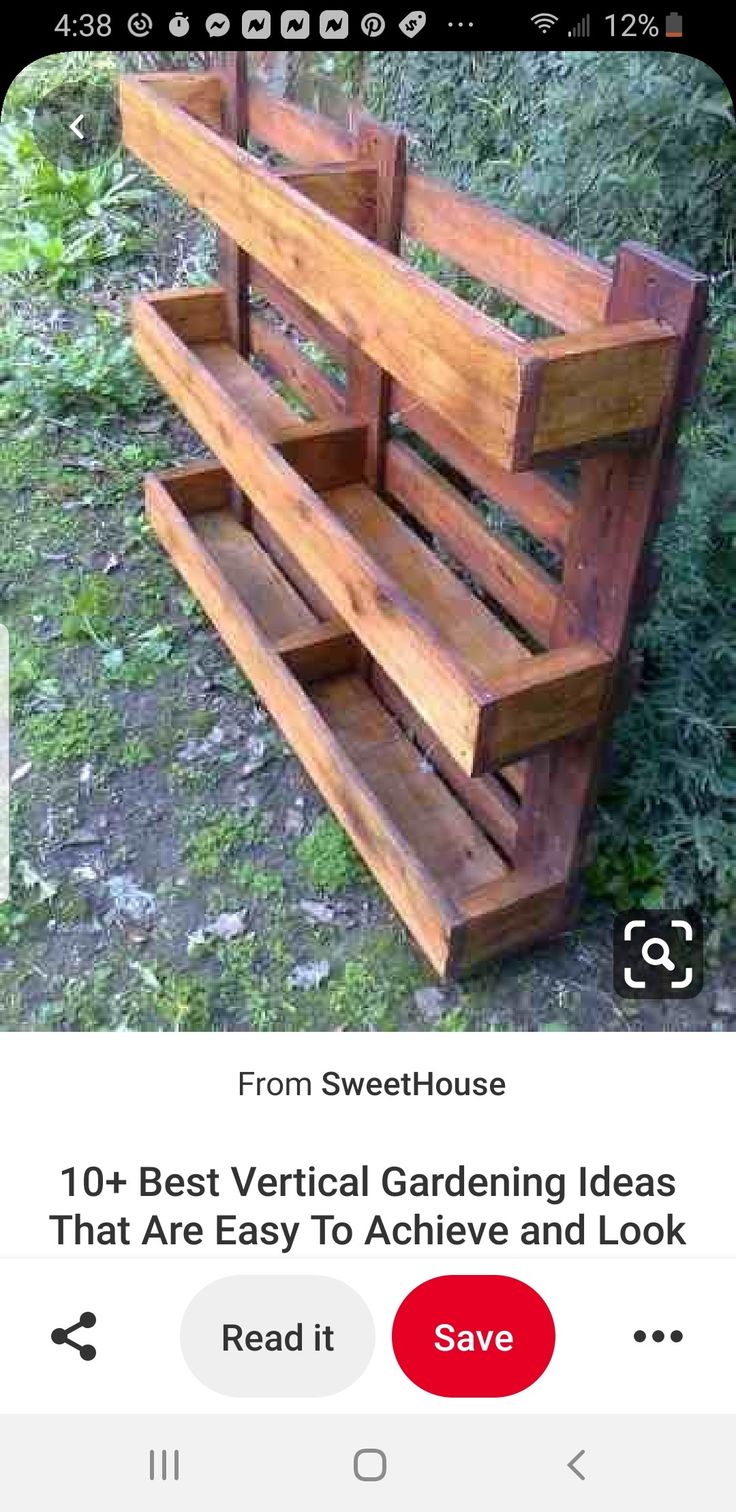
[173,868]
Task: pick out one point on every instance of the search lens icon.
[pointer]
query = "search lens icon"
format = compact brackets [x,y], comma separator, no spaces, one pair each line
[662,959]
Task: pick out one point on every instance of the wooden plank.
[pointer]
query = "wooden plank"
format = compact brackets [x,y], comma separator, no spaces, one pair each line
[234,270]
[233,261]
[295,132]
[327,453]
[620,504]
[274,604]
[542,274]
[482,645]
[433,824]
[299,313]
[418,897]
[198,486]
[245,388]
[503,915]
[507,574]
[346,190]
[537,504]
[485,798]
[465,365]
[564,287]
[200,94]
[543,700]
[368,384]
[322,651]
[610,381]
[197,314]
[319,392]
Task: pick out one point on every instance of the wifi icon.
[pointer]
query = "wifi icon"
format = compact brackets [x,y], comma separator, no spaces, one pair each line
[544,21]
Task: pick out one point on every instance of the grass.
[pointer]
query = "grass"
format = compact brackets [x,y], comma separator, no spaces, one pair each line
[213,848]
[327,857]
[74,734]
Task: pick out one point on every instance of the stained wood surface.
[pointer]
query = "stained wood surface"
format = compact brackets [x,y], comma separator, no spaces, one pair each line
[536,703]
[323,650]
[611,381]
[503,915]
[388,623]
[368,383]
[621,500]
[507,574]
[348,191]
[510,397]
[439,643]
[468,367]
[480,642]
[545,276]
[327,453]
[402,818]
[272,601]
[543,509]
[315,389]
[295,310]
[486,799]
[433,823]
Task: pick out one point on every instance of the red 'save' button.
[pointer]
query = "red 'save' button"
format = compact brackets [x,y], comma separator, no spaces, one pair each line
[473,1336]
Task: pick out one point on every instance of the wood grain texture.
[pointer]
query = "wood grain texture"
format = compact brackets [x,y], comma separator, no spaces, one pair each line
[506,573]
[348,191]
[200,94]
[611,381]
[506,914]
[442,647]
[621,502]
[543,509]
[327,453]
[369,384]
[294,132]
[325,650]
[542,274]
[486,799]
[466,366]
[297,312]
[543,700]
[546,277]
[366,770]
[362,593]
[516,400]
[285,359]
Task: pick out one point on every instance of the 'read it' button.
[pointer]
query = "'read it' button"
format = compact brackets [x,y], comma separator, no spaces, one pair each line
[473,1336]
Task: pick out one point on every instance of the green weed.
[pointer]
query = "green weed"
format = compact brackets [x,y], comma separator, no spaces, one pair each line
[328,858]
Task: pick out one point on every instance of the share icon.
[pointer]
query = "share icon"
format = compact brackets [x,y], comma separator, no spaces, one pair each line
[63,1336]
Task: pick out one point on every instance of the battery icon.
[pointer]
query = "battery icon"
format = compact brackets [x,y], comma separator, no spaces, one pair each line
[673,25]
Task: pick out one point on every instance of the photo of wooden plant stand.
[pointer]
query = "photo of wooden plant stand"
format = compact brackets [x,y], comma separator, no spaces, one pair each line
[449,691]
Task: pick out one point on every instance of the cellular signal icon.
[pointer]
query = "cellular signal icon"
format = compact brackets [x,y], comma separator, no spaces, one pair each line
[544,20]
[582,29]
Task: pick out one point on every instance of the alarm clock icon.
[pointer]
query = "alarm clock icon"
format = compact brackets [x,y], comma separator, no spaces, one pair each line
[179,25]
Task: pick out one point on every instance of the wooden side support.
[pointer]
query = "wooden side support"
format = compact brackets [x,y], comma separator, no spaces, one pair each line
[622,495]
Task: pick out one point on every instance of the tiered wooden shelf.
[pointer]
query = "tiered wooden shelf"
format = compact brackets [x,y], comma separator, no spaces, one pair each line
[446,693]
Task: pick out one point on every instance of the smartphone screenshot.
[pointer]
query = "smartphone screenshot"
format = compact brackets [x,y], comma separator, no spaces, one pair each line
[367,772]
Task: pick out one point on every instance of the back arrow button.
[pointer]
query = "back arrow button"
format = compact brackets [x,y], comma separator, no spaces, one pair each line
[573,1464]
[75,127]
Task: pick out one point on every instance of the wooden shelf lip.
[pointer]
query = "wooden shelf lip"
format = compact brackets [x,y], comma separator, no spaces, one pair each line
[515,400]
[425,849]
[487,700]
